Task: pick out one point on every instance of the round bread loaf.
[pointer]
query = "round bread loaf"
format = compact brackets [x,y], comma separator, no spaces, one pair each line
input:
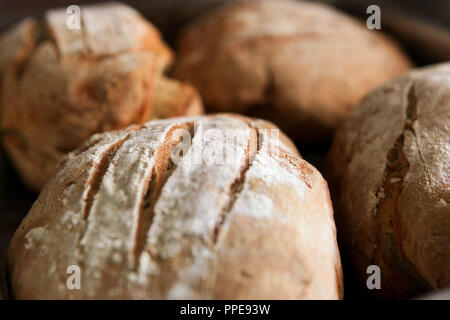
[220,215]
[58,85]
[301,65]
[389,174]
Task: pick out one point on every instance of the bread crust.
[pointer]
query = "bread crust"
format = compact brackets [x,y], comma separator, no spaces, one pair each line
[388,170]
[174,99]
[59,86]
[141,226]
[301,65]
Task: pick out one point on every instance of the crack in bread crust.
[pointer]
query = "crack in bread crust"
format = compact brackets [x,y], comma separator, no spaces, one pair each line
[389,230]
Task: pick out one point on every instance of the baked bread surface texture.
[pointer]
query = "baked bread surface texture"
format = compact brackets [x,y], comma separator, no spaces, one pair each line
[301,65]
[388,170]
[141,225]
[58,86]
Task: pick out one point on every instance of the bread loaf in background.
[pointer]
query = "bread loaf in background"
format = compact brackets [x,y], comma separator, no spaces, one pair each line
[389,174]
[141,225]
[301,65]
[58,86]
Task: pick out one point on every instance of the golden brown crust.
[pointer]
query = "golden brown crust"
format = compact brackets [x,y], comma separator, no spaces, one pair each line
[61,85]
[301,65]
[142,225]
[388,171]
[174,99]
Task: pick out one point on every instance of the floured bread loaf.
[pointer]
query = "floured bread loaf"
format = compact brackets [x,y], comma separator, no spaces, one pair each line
[224,216]
[389,175]
[302,65]
[58,86]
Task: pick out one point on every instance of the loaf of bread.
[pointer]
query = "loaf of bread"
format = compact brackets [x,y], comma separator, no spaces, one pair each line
[389,173]
[213,207]
[301,65]
[58,85]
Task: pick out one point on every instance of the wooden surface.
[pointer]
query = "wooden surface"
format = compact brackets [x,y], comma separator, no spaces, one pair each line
[423,26]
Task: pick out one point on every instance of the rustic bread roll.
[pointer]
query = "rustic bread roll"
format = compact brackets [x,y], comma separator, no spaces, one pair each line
[302,65]
[141,224]
[59,86]
[390,175]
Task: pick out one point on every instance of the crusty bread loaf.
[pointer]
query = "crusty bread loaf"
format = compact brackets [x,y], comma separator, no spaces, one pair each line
[141,225]
[301,65]
[58,86]
[389,174]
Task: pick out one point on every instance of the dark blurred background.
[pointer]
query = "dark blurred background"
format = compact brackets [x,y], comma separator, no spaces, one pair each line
[422,27]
